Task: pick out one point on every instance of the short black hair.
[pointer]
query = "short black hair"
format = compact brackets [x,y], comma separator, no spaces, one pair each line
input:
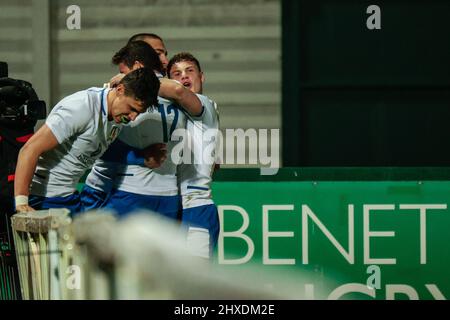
[138,51]
[182,56]
[143,85]
[142,36]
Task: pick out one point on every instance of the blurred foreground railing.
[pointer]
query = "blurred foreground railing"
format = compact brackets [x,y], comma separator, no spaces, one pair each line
[96,256]
[43,250]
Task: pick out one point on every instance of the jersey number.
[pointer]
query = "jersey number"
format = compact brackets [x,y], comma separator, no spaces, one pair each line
[171,108]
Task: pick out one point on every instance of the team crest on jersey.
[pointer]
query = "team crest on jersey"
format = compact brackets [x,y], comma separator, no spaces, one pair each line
[113,134]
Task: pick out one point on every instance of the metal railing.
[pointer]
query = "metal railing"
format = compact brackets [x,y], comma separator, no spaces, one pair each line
[144,256]
[43,250]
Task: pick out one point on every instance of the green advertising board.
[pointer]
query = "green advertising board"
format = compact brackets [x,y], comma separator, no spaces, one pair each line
[373,239]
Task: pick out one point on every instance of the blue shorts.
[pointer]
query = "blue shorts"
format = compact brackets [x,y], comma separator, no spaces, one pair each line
[203,219]
[92,199]
[71,202]
[125,202]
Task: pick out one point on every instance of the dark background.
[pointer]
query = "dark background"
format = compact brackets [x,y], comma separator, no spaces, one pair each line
[359,97]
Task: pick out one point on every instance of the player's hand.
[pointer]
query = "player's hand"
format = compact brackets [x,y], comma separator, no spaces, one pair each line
[116,79]
[155,155]
[24,208]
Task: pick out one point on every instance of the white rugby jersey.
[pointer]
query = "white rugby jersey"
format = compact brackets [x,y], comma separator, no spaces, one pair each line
[152,127]
[80,124]
[155,126]
[195,178]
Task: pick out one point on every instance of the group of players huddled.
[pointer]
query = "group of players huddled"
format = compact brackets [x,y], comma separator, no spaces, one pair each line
[127,133]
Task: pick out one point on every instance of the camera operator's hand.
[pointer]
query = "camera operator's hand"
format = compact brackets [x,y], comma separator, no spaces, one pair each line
[24,208]
[155,155]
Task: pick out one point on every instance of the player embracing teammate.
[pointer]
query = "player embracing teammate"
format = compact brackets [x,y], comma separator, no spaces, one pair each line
[173,188]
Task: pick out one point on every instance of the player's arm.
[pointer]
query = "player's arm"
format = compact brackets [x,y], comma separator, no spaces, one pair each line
[152,157]
[173,90]
[120,152]
[43,140]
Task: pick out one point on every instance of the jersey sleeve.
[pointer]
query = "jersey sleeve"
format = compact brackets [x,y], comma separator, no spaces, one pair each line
[67,118]
[122,153]
[207,104]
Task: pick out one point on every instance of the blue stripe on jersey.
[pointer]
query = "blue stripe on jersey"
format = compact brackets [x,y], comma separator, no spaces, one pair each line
[193,118]
[198,188]
[101,101]
[164,122]
[125,174]
[201,113]
[101,173]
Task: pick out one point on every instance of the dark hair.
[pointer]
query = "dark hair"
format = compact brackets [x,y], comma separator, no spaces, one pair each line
[182,56]
[143,85]
[138,51]
[142,36]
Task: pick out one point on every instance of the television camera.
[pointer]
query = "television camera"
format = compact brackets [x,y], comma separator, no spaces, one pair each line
[19,104]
